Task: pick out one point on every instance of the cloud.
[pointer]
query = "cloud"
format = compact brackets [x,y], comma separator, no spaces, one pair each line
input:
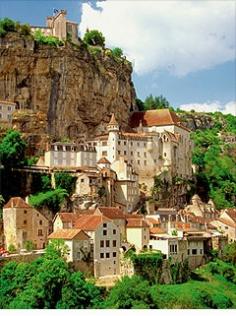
[178,36]
[216,106]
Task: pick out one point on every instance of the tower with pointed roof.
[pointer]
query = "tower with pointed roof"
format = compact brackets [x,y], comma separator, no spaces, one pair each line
[113,130]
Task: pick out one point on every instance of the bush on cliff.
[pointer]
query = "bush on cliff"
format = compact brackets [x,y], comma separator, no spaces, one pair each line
[94,38]
[50,40]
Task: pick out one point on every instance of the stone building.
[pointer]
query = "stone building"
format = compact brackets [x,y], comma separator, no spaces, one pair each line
[200,209]
[137,232]
[159,143]
[77,241]
[57,25]
[6,110]
[105,239]
[226,224]
[70,155]
[22,223]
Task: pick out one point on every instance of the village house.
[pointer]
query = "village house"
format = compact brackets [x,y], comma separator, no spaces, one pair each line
[57,25]
[200,209]
[69,155]
[22,223]
[137,232]
[77,241]
[6,110]
[105,239]
[226,224]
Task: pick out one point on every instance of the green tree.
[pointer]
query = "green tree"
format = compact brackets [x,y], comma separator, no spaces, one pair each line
[52,199]
[153,103]
[117,52]
[140,104]
[94,38]
[29,245]
[229,253]
[65,181]
[12,149]
[77,293]
[8,25]
[46,183]
[130,293]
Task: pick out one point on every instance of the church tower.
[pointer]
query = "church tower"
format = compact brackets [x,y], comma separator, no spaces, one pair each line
[113,130]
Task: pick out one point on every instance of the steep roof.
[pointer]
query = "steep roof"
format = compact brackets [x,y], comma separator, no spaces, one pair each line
[112,212]
[16,202]
[156,230]
[113,120]
[159,117]
[136,223]
[231,213]
[103,160]
[70,233]
[68,217]
[90,222]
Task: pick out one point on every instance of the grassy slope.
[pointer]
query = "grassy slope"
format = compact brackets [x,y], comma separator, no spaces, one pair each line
[189,295]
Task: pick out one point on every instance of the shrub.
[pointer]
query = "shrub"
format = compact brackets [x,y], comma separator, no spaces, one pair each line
[12,248]
[25,29]
[94,38]
[221,301]
[29,246]
[8,25]
[50,40]
[117,52]
[65,181]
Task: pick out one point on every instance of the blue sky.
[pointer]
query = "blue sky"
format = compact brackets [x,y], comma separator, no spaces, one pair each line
[184,50]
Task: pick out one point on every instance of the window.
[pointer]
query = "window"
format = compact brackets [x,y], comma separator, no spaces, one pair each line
[145,155]
[104,153]
[0,115]
[105,225]
[40,222]
[118,152]
[119,142]
[78,255]
[107,255]
[138,162]
[104,233]
[0,107]
[107,243]
[150,247]
[25,212]
[114,243]
[188,252]
[124,143]
[40,232]
[102,243]
[138,154]
[124,152]
[164,154]
[104,143]
[9,108]
[201,251]
[82,180]
[9,116]
[114,254]
[25,222]
[145,162]
[138,144]
[101,255]
[131,153]
[114,231]
[194,251]
[131,143]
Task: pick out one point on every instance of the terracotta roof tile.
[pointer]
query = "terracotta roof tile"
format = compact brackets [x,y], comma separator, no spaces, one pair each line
[90,222]
[136,222]
[112,212]
[156,230]
[68,217]
[226,222]
[154,118]
[103,160]
[70,233]
[231,213]
[16,202]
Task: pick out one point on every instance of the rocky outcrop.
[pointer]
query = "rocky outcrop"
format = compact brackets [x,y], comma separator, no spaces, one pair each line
[195,120]
[75,90]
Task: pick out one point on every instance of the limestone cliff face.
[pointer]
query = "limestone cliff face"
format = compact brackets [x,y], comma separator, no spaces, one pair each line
[196,120]
[75,91]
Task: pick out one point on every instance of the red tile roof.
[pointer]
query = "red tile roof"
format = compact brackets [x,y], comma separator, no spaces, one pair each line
[226,222]
[68,217]
[231,213]
[112,212]
[152,220]
[16,202]
[90,222]
[156,230]
[136,223]
[70,233]
[154,118]
[103,160]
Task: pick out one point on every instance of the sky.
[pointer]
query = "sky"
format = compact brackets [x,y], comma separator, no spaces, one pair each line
[184,50]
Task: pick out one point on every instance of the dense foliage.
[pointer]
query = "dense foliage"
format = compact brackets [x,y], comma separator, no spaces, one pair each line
[47,282]
[65,181]
[94,38]
[8,25]
[12,149]
[216,166]
[50,40]
[153,103]
[52,199]
[229,253]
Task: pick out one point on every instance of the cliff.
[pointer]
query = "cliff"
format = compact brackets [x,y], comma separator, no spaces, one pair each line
[72,90]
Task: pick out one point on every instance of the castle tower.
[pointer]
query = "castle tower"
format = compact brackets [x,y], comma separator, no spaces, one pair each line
[113,130]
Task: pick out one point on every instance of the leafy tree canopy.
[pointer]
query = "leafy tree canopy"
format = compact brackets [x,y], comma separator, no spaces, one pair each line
[65,181]
[12,149]
[94,38]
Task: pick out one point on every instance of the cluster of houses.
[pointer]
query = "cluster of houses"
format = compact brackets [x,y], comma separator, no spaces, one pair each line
[98,236]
